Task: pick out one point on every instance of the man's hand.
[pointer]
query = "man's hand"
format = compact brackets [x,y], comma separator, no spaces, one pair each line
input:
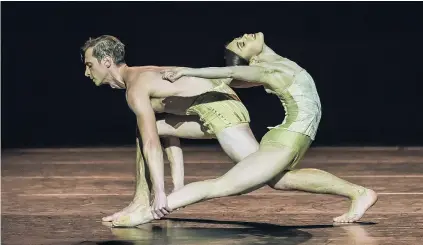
[173,74]
[160,208]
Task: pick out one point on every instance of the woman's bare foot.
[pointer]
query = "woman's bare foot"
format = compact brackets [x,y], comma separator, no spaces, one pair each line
[359,205]
[138,216]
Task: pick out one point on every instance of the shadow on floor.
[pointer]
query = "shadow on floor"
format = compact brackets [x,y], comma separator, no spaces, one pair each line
[199,231]
[203,231]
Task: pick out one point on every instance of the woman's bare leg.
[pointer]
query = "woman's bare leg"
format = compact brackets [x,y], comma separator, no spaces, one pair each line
[244,177]
[239,142]
[319,181]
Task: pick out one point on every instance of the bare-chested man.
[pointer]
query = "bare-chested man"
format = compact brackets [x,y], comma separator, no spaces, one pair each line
[200,108]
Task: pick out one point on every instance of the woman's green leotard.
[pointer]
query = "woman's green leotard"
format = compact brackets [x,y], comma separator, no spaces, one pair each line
[296,90]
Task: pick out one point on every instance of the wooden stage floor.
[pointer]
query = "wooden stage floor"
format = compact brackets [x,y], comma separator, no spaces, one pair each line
[58,196]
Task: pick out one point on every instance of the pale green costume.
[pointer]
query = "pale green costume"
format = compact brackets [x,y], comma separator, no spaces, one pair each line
[298,94]
[219,108]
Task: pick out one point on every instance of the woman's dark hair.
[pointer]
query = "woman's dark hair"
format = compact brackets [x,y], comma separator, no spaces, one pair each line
[232,59]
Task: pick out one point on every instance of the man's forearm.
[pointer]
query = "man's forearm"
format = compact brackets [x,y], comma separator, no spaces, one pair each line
[154,158]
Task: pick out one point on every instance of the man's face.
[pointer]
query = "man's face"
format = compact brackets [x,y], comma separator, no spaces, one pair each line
[96,71]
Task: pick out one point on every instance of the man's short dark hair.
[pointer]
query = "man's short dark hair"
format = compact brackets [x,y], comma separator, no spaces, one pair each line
[106,45]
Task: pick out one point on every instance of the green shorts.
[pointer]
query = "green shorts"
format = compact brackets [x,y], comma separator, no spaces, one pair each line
[280,137]
[219,108]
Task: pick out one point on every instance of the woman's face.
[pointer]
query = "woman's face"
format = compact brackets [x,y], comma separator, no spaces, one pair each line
[248,45]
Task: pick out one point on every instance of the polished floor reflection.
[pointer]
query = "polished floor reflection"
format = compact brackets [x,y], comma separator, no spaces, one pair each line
[59,196]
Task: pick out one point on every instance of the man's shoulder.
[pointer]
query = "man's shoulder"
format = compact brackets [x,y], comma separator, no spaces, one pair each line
[152,69]
[141,77]
[136,72]
[142,80]
[140,72]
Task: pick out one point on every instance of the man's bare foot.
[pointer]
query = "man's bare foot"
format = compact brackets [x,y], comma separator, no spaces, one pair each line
[140,215]
[130,208]
[359,206]
[127,209]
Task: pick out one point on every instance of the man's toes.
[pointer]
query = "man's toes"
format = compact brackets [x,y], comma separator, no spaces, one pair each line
[121,221]
[112,217]
[108,218]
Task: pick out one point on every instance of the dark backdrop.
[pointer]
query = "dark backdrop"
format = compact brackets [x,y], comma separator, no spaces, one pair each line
[366,59]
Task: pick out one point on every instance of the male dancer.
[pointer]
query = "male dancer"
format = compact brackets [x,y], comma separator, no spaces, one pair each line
[200,108]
